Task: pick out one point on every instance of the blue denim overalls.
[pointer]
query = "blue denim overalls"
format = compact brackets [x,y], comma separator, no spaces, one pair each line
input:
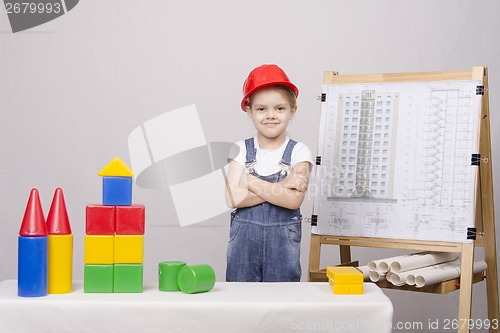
[264,240]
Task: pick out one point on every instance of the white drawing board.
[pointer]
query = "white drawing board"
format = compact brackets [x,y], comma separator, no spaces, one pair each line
[396,160]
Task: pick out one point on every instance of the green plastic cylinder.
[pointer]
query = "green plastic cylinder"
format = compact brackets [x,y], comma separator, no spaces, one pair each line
[196,279]
[167,275]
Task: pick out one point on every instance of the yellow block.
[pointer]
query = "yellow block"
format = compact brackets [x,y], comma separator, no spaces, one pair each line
[347,289]
[128,249]
[116,168]
[60,265]
[345,274]
[98,249]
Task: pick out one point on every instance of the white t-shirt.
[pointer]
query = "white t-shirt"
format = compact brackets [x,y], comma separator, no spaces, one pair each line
[267,160]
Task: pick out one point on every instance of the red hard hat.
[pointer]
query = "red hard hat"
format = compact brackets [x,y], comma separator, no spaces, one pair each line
[265,76]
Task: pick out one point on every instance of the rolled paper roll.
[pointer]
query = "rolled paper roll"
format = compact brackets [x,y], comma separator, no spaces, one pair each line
[445,273]
[376,276]
[421,260]
[383,265]
[366,272]
[373,265]
[196,279]
[412,275]
[398,279]
[437,275]
[167,275]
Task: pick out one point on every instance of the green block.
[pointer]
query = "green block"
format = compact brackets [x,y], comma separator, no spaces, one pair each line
[127,278]
[167,275]
[98,279]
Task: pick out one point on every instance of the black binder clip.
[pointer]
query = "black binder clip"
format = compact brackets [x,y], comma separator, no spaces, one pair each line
[314,220]
[475,159]
[479,90]
[471,233]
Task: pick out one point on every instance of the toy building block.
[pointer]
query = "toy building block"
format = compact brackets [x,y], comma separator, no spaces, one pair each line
[130,220]
[100,220]
[60,257]
[167,275]
[98,249]
[345,274]
[98,279]
[347,289]
[117,191]
[345,280]
[116,168]
[57,219]
[32,266]
[127,278]
[33,223]
[128,249]
[196,279]
[33,250]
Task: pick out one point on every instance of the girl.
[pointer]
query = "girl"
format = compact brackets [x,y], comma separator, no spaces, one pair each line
[266,183]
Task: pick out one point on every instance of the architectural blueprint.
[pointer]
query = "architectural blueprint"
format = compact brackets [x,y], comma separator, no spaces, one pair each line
[396,160]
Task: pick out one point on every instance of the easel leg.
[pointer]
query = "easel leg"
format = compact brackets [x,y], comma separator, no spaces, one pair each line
[487,202]
[465,303]
[314,255]
[345,254]
[491,277]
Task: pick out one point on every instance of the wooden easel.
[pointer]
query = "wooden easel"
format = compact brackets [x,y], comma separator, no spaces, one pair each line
[484,216]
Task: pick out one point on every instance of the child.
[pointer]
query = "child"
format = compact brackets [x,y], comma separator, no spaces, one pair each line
[266,183]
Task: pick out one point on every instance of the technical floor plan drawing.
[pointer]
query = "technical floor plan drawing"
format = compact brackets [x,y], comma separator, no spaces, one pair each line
[396,160]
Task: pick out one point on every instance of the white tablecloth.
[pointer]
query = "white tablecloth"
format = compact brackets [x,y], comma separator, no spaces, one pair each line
[228,307]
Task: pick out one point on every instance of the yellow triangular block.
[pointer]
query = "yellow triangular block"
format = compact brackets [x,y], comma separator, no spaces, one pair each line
[116,168]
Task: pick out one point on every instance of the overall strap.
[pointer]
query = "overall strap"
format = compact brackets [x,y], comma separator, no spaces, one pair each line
[250,157]
[251,152]
[287,154]
[286,159]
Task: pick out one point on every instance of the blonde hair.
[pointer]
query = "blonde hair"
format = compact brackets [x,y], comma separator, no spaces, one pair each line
[285,91]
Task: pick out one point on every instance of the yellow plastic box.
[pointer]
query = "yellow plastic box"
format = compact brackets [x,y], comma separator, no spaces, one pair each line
[345,274]
[347,289]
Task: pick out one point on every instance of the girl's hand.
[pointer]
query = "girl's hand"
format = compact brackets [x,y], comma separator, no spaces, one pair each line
[296,180]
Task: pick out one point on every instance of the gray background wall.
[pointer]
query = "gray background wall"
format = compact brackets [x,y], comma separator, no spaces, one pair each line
[73,89]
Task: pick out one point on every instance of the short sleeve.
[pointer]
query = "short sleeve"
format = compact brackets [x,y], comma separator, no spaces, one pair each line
[301,153]
[238,153]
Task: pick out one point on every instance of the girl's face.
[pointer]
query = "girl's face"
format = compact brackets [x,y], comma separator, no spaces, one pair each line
[270,113]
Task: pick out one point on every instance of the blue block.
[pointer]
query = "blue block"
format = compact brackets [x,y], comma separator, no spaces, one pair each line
[117,191]
[32,274]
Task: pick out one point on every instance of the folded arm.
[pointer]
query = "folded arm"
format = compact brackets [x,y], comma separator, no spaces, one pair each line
[237,193]
[288,193]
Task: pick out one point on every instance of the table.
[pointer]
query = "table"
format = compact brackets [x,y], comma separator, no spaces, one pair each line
[229,307]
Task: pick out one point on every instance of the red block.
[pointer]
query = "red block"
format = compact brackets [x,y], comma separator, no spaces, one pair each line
[130,220]
[100,220]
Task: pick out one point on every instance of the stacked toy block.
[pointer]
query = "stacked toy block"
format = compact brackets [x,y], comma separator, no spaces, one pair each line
[114,239]
[345,280]
[45,249]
